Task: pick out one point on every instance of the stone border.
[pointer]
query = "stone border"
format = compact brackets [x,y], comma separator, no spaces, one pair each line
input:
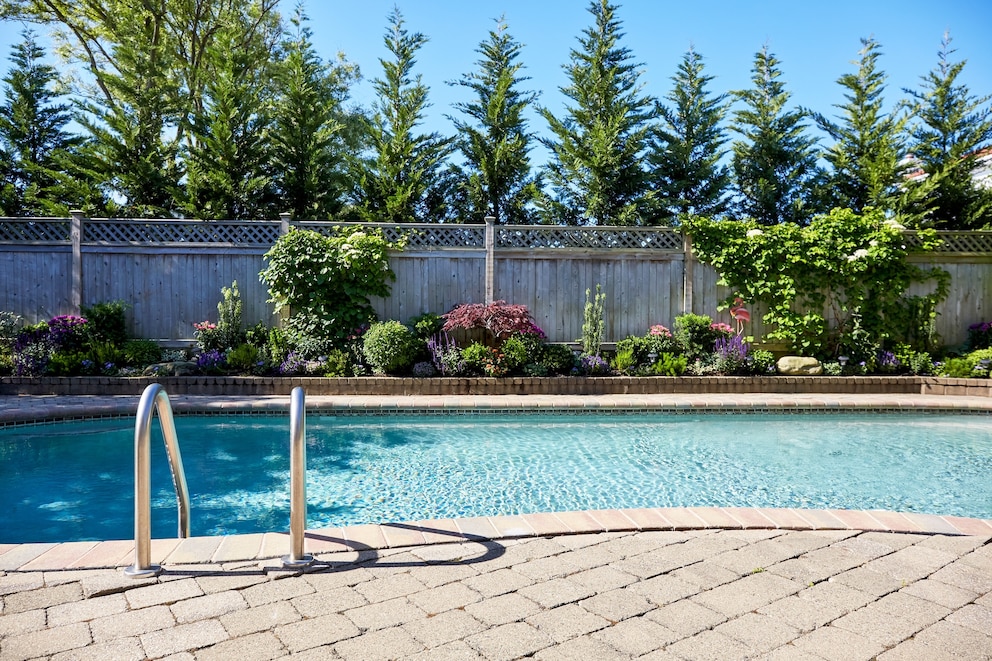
[571,385]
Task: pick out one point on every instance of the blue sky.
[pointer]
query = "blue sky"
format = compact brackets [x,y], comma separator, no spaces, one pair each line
[815,42]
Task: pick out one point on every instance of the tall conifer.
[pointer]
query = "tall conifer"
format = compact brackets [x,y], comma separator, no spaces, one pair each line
[687,151]
[597,150]
[775,161]
[496,141]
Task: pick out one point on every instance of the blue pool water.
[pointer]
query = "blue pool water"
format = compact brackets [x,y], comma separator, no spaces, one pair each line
[74,481]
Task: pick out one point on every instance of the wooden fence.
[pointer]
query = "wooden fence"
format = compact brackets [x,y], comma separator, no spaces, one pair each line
[171,272]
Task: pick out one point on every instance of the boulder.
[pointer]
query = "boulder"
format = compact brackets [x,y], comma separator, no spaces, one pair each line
[798,366]
[177,368]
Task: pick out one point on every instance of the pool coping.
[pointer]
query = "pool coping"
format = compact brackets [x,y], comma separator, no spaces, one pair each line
[265,546]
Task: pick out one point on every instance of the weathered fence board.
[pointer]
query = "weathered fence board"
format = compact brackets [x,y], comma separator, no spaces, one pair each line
[172,273]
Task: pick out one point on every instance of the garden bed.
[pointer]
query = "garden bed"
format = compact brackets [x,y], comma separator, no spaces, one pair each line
[566,385]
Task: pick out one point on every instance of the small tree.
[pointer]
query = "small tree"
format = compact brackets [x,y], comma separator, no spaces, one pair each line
[687,149]
[597,151]
[594,323]
[775,161]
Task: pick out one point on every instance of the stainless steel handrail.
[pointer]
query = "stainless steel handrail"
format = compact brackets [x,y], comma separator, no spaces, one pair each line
[297,480]
[154,398]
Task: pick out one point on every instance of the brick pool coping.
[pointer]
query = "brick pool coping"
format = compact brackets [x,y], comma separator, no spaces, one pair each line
[399,386]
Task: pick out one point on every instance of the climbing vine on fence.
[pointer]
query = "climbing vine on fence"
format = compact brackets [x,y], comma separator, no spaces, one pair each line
[837,286]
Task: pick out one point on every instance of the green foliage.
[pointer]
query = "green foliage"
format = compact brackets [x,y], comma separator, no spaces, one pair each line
[107,322]
[514,354]
[426,325]
[327,281]
[775,161]
[669,365]
[641,347]
[557,358]
[593,324]
[313,133]
[34,138]
[762,362]
[496,142]
[10,326]
[390,347]
[694,334]
[246,359]
[839,284]
[687,152]
[868,144]
[230,333]
[139,353]
[974,365]
[481,359]
[949,130]
[596,168]
[398,182]
[623,360]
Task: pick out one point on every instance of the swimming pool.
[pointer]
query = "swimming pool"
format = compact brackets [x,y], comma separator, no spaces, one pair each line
[73,481]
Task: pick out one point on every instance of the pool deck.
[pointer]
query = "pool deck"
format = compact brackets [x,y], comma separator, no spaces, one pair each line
[671,583]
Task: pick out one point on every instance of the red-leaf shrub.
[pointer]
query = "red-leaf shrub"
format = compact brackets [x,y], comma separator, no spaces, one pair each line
[498,317]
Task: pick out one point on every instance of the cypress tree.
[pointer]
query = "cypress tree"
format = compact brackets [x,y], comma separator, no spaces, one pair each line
[597,151]
[775,163]
[687,149]
[949,130]
[401,179]
[496,144]
[312,133]
[40,151]
[868,146]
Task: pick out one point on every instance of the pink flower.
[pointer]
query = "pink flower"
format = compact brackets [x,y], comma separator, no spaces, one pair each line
[722,327]
[204,326]
[658,329]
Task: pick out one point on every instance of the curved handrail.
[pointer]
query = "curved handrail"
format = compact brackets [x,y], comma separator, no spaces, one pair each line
[153,399]
[297,480]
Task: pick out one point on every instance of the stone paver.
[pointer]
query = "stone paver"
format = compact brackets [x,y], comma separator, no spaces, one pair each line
[399,605]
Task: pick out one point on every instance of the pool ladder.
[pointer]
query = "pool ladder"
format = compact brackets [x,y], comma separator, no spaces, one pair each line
[153,399]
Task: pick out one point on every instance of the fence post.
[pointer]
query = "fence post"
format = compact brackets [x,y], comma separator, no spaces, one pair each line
[285,218]
[688,266]
[76,237]
[490,258]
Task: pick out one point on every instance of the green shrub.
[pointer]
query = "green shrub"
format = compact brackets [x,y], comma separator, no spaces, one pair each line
[695,335]
[593,324]
[623,360]
[390,347]
[426,325]
[139,353]
[107,322]
[278,346]
[669,364]
[557,358]
[338,364]
[10,325]
[957,368]
[762,362]
[246,359]
[481,359]
[514,354]
[229,331]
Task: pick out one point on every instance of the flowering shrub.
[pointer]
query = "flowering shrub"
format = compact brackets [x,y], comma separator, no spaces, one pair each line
[67,332]
[659,331]
[211,362]
[207,336]
[480,359]
[591,365]
[424,369]
[731,355]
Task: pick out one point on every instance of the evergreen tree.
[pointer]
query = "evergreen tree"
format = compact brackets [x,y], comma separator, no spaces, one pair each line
[39,149]
[313,133]
[496,142]
[950,129]
[597,151]
[687,150]
[399,182]
[775,162]
[228,174]
[868,147]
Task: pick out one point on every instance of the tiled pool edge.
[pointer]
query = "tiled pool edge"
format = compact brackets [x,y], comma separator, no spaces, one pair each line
[378,537]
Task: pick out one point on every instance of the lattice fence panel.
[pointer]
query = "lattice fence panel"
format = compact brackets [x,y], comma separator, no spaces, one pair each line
[419,235]
[177,231]
[603,238]
[972,242]
[35,230]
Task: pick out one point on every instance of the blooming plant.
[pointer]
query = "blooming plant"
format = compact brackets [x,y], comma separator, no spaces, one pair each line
[212,361]
[207,336]
[731,355]
[592,365]
[659,330]
[980,335]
